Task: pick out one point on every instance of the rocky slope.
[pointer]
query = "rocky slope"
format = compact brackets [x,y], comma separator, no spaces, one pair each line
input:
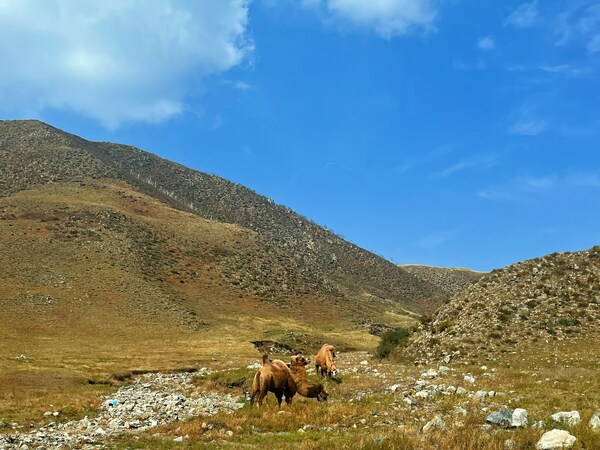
[301,257]
[539,300]
[450,280]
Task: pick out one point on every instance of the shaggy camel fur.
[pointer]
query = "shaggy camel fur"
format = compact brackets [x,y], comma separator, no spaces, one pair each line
[305,388]
[324,361]
[274,376]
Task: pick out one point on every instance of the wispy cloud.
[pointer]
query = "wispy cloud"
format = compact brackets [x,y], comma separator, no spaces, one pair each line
[527,187]
[528,127]
[466,67]
[425,159]
[579,23]
[480,162]
[524,16]
[567,70]
[436,239]
[486,43]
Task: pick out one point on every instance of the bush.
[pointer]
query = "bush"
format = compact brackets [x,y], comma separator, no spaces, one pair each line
[390,340]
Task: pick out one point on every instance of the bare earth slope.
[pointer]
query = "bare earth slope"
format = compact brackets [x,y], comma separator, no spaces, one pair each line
[450,280]
[538,301]
[311,259]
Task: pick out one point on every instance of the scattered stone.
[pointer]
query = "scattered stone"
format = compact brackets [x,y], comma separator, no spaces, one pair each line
[422,394]
[481,394]
[469,378]
[229,433]
[570,418]
[502,418]
[519,418]
[430,374]
[151,400]
[394,387]
[555,439]
[364,362]
[434,424]
[595,421]
[461,391]
[509,444]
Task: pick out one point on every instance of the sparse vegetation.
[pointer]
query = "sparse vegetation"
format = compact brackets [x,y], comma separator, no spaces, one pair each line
[391,340]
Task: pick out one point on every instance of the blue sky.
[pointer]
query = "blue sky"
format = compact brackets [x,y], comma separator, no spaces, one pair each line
[449,133]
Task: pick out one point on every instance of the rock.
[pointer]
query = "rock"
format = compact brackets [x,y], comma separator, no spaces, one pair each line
[469,378]
[443,369]
[409,401]
[178,439]
[422,394]
[229,433]
[254,365]
[434,424]
[451,390]
[570,418]
[461,391]
[481,394]
[509,444]
[502,418]
[555,439]
[595,421]
[430,374]
[519,418]
[364,362]
[394,387]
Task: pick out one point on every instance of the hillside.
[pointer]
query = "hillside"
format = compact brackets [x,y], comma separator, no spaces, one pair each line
[538,301]
[301,257]
[450,280]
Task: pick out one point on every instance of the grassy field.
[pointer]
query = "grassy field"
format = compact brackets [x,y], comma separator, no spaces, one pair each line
[363,413]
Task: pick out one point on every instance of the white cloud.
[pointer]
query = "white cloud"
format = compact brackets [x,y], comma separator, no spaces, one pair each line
[525,16]
[116,61]
[388,18]
[486,43]
[528,127]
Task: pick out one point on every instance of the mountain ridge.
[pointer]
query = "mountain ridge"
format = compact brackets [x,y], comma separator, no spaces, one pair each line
[49,155]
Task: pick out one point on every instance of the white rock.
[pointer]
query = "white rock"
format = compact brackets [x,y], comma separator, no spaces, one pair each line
[434,424]
[178,439]
[481,394]
[469,378]
[519,418]
[364,362]
[229,433]
[595,421]
[422,394]
[395,387]
[443,369]
[451,390]
[555,439]
[430,374]
[570,418]
[461,391]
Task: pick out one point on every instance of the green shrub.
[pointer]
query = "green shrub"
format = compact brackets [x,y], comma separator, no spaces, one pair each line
[391,340]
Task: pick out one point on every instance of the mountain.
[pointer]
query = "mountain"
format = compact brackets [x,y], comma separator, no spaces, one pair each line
[450,280]
[532,302]
[88,228]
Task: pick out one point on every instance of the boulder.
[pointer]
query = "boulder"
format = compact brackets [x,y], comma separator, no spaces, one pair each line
[570,418]
[519,418]
[555,439]
[595,421]
[502,418]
